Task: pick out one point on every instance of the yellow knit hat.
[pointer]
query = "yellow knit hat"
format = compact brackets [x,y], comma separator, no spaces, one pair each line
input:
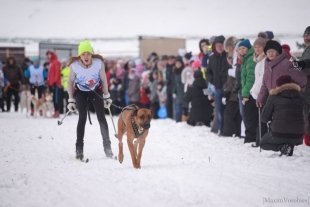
[85,46]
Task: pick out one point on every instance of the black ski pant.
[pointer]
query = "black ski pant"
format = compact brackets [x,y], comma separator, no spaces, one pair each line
[232,119]
[83,99]
[270,142]
[250,120]
[12,92]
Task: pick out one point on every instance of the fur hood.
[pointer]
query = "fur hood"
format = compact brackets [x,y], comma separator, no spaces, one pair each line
[284,87]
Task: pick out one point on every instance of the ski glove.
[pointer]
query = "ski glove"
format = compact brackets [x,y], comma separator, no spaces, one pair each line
[71,105]
[106,100]
[107,103]
[298,65]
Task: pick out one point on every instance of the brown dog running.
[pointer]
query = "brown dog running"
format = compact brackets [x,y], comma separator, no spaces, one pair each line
[136,123]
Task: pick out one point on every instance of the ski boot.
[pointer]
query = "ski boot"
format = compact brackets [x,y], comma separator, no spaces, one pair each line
[287,150]
[108,152]
[79,153]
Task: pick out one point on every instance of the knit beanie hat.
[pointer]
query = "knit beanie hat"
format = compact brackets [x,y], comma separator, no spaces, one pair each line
[188,55]
[272,44]
[287,49]
[198,74]
[270,35]
[307,31]
[179,59]
[262,35]
[85,46]
[219,39]
[196,64]
[283,80]
[260,42]
[245,43]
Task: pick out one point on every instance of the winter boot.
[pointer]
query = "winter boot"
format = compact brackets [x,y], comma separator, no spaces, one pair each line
[307,139]
[56,114]
[79,153]
[108,152]
[287,150]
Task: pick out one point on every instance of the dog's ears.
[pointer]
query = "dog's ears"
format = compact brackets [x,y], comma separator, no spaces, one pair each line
[134,113]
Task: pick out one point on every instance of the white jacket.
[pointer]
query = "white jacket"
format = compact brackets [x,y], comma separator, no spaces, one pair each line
[259,73]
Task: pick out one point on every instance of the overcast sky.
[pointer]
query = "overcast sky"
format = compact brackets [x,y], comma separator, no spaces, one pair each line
[129,18]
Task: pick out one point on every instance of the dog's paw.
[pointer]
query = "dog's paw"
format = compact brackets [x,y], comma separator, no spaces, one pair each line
[120,158]
[137,167]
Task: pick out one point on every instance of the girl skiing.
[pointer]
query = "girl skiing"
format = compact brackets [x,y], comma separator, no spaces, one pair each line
[88,84]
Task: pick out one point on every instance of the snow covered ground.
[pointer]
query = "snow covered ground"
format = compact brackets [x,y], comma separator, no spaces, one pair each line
[182,166]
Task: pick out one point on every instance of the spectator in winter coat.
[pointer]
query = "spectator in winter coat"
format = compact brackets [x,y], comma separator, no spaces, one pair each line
[120,71]
[247,81]
[162,93]
[145,90]
[237,61]
[116,93]
[162,97]
[154,79]
[14,77]
[54,80]
[232,117]
[187,77]
[169,84]
[133,87]
[259,58]
[36,75]
[1,88]
[276,65]
[178,90]
[217,73]
[204,47]
[305,62]
[229,46]
[284,108]
[201,109]
[65,72]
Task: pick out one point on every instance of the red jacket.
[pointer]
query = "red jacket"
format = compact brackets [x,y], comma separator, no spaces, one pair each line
[54,71]
[144,98]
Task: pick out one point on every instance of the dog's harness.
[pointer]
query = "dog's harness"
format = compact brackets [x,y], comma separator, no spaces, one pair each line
[134,125]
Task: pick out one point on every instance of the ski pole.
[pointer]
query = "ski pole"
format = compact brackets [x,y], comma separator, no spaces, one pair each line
[259,129]
[61,121]
[112,122]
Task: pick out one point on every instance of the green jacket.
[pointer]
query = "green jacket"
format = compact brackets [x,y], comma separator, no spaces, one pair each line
[65,72]
[247,73]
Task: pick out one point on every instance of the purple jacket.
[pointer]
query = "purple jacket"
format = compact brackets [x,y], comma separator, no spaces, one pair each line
[273,70]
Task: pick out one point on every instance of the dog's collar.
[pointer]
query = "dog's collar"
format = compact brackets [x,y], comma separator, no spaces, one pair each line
[135,127]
